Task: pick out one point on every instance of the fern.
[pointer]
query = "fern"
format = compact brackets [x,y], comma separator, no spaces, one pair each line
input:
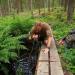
[11,30]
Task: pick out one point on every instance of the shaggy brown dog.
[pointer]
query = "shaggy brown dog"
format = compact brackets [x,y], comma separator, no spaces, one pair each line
[42,31]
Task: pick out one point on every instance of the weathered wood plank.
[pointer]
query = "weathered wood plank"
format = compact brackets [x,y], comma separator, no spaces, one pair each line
[44,62]
[55,65]
[56,68]
[42,68]
[43,56]
[54,56]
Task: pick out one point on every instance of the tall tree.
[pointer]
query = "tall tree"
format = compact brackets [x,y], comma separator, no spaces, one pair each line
[70,10]
[48,5]
[3,7]
[17,5]
[0,8]
[21,5]
[62,3]
[52,4]
[44,5]
[39,7]
[66,5]
[31,6]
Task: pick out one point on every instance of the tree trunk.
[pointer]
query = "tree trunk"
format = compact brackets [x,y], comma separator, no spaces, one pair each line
[70,10]
[31,7]
[39,7]
[0,8]
[52,5]
[44,5]
[65,5]
[48,5]
[21,6]
[62,3]
[17,5]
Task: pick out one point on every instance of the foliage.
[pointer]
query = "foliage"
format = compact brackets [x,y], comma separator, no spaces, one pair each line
[69,57]
[14,28]
[11,30]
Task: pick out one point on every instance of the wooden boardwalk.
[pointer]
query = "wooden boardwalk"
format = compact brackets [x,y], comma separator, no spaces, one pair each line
[49,64]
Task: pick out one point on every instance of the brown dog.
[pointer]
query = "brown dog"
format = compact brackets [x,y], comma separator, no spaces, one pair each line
[42,31]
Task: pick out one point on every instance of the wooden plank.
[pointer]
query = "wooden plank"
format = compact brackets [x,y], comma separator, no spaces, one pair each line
[54,62]
[56,68]
[43,65]
[43,56]
[54,56]
[42,68]
[55,65]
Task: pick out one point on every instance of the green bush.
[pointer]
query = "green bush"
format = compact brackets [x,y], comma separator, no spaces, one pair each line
[11,30]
